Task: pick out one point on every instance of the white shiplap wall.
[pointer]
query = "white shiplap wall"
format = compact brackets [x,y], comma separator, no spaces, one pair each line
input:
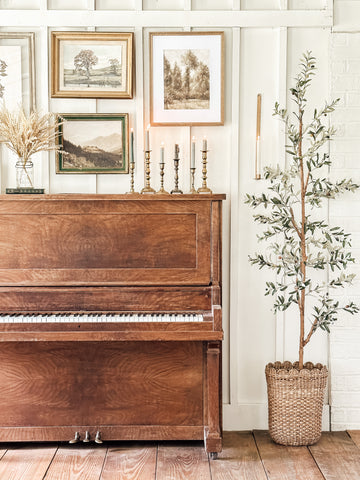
[264,40]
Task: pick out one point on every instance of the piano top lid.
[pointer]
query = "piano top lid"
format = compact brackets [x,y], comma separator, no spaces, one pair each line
[116,197]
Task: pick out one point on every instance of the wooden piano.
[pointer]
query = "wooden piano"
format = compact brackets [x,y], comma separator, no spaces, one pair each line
[110,325]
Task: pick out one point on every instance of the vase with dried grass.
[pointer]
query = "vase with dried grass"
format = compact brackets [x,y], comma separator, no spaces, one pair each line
[26,135]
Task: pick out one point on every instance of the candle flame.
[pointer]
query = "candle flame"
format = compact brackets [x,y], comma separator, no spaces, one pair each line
[148,127]
[193,138]
[131,130]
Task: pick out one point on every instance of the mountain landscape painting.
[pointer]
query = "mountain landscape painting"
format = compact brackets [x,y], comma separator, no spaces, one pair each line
[93,146]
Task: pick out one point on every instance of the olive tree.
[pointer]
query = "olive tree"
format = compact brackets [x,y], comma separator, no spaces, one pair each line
[300,244]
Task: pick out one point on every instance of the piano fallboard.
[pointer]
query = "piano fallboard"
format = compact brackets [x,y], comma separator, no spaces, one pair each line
[110,298]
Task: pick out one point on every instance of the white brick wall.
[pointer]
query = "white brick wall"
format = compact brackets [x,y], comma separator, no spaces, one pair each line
[345,153]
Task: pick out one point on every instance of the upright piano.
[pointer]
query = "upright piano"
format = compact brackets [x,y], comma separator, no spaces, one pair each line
[110,318]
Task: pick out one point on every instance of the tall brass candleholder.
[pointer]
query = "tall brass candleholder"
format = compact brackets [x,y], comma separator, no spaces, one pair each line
[176,165]
[147,188]
[132,169]
[162,190]
[204,188]
[192,179]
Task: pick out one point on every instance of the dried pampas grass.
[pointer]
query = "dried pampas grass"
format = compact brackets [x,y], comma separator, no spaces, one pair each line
[28,134]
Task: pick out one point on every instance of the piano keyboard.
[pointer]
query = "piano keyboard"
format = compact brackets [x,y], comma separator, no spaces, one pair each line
[104,318]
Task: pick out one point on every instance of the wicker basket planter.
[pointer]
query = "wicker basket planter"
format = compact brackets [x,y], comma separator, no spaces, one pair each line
[295,402]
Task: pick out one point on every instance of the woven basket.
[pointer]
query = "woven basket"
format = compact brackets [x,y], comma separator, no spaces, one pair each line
[295,402]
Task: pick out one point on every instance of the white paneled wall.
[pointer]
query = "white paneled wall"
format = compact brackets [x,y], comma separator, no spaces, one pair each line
[264,40]
[345,84]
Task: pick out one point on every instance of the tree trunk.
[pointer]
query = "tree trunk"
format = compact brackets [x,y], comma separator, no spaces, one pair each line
[303,247]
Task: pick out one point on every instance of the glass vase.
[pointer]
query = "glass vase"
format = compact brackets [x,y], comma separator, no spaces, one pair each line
[24,174]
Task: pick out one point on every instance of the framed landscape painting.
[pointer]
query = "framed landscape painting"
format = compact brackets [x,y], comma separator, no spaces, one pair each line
[187,78]
[17,70]
[93,143]
[92,64]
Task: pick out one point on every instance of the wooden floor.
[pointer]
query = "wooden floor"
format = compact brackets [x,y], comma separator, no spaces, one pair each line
[246,456]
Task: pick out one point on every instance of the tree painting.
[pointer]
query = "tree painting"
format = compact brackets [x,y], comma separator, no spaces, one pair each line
[3,67]
[186,79]
[115,65]
[84,61]
[93,66]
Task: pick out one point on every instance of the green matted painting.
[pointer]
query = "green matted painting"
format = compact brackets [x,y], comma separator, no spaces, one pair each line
[93,143]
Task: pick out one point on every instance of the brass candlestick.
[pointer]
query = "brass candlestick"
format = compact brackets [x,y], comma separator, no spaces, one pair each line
[192,179]
[257,159]
[204,188]
[258,125]
[132,168]
[147,188]
[162,190]
[176,165]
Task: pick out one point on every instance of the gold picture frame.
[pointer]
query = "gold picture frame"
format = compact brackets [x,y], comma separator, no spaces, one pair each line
[92,64]
[187,78]
[19,78]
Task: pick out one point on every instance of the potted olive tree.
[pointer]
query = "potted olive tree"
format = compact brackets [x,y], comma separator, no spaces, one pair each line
[299,245]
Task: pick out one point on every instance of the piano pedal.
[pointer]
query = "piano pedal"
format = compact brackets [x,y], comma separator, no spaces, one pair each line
[98,437]
[213,455]
[76,439]
[87,437]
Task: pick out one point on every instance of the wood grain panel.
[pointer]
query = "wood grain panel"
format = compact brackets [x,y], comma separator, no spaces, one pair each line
[286,463]
[98,241]
[111,336]
[216,242]
[140,327]
[337,456]
[213,431]
[182,462]
[130,462]
[27,463]
[109,299]
[108,433]
[239,459]
[76,463]
[82,241]
[85,202]
[132,383]
[355,436]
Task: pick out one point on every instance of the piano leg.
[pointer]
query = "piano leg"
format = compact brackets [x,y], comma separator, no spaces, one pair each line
[213,430]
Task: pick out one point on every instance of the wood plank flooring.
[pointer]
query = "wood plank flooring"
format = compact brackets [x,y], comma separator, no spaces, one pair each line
[246,456]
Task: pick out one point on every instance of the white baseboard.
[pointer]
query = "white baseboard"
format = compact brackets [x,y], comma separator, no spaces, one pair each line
[254,417]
